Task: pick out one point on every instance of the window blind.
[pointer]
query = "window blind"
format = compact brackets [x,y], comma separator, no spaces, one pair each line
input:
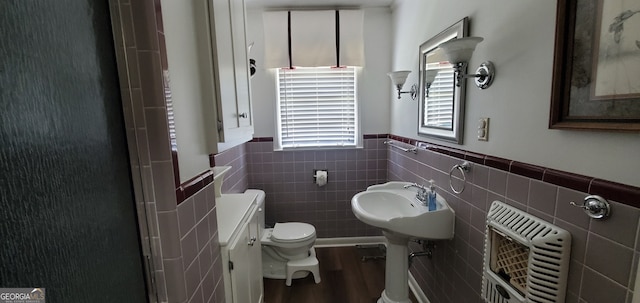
[438,111]
[170,113]
[317,107]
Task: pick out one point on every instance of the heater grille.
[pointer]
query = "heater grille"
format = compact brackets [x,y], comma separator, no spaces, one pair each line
[510,259]
[526,258]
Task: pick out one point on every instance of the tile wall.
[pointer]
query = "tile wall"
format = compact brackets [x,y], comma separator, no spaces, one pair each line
[236,180]
[291,194]
[185,270]
[201,260]
[143,103]
[604,252]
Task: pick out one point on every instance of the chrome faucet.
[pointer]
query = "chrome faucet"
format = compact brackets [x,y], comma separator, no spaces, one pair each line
[421,195]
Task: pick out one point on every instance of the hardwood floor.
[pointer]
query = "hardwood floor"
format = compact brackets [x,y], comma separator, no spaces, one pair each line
[345,279]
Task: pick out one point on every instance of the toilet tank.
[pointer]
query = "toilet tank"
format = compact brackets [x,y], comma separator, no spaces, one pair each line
[260,203]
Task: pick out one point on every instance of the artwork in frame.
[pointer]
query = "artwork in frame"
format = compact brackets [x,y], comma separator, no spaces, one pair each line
[596,76]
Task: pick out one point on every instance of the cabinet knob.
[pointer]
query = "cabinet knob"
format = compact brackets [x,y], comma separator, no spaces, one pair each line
[252,241]
[243,115]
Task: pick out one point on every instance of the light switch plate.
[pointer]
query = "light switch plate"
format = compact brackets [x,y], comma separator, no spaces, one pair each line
[483,129]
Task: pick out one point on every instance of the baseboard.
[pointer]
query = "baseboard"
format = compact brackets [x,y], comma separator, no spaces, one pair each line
[349,241]
[417,291]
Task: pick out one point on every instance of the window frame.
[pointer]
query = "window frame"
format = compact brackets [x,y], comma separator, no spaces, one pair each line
[357,133]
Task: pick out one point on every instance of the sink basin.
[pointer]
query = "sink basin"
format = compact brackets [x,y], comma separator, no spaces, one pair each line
[395,209]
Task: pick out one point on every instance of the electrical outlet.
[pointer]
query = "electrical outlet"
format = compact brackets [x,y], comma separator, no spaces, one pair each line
[483,129]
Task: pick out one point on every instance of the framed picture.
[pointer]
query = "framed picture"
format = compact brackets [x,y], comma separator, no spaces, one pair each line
[596,72]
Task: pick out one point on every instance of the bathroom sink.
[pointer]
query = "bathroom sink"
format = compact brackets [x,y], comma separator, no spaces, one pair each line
[395,209]
[401,217]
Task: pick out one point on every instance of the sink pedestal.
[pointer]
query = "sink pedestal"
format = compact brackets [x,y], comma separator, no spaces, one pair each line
[396,280]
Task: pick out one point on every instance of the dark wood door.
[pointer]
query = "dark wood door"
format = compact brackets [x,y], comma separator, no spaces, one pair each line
[67,213]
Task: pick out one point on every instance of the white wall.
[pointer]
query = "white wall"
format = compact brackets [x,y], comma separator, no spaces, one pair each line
[519,39]
[374,84]
[191,79]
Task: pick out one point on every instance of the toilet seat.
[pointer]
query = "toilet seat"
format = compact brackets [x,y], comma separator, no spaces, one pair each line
[292,232]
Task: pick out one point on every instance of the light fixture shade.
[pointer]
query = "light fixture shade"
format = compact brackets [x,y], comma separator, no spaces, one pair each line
[431,75]
[461,49]
[399,77]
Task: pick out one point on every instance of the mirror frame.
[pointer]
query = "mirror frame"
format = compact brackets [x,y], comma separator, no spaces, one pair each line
[455,135]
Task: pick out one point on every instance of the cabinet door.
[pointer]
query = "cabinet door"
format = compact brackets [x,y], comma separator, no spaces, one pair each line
[239,257]
[231,71]
[255,259]
[220,21]
[241,61]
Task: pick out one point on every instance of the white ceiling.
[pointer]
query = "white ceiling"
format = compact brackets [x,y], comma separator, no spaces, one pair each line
[316,3]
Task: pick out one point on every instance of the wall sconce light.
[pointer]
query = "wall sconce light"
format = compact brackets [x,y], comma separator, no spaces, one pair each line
[430,76]
[459,51]
[398,78]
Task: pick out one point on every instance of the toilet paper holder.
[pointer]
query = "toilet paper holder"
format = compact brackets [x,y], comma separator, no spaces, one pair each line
[316,172]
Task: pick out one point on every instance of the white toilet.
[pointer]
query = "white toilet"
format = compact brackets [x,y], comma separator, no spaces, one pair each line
[287,248]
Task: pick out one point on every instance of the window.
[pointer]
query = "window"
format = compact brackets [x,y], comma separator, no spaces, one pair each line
[317,107]
[438,110]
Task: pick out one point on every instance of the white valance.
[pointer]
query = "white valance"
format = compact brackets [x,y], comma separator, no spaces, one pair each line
[276,39]
[313,38]
[310,38]
[351,38]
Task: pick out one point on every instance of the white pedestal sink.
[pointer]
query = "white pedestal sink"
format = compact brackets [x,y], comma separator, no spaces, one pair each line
[401,217]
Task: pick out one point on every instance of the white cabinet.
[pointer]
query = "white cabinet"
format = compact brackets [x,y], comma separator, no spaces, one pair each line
[246,265]
[241,250]
[227,21]
[239,267]
[256,288]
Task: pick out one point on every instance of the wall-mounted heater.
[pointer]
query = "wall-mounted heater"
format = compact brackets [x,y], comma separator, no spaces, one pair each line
[526,259]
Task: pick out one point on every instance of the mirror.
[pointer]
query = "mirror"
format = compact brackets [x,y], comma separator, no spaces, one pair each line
[441,102]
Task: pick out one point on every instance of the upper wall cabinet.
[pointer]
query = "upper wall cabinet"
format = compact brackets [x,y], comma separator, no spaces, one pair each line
[227,20]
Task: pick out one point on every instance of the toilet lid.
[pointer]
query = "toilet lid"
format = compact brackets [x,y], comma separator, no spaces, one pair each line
[292,231]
